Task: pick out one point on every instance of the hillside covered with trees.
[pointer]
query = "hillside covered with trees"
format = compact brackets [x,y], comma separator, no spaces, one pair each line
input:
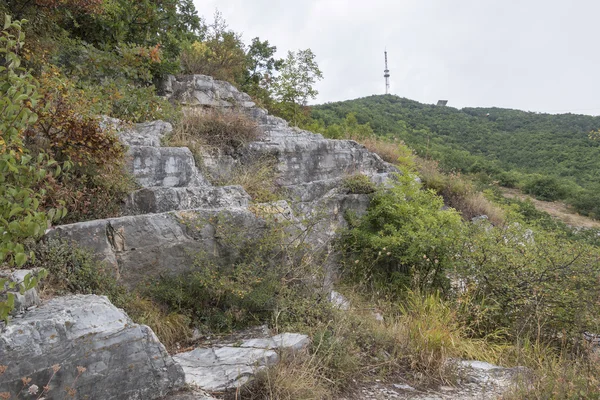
[550,156]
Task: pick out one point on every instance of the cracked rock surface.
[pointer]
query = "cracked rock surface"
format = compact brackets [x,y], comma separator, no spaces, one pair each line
[122,360]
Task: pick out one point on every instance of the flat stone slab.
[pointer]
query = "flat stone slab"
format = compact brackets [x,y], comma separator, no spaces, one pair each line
[85,336]
[228,367]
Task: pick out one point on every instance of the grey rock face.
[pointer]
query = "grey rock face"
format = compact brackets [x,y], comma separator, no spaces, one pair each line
[144,246]
[202,90]
[227,367]
[22,301]
[145,134]
[307,157]
[123,360]
[165,166]
[162,199]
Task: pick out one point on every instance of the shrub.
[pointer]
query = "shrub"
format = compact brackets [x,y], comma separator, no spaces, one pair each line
[587,202]
[546,188]
[405,238]
[459,192]
[75,270]
[22,174]
[240,290]
[536,284]
[70,131]
[359,184]
[221,55]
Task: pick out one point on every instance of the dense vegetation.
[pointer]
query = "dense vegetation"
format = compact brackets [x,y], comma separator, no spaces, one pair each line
[550,156]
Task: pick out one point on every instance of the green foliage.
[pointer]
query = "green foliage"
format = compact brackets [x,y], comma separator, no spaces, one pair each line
[404,239]
[359,184]
[21,174]
[546,188]
[537,284]
[221,54]
[9,287]
[295,84]
[74,270]
[222,295]
[145,23]
[261,66]
[587,202]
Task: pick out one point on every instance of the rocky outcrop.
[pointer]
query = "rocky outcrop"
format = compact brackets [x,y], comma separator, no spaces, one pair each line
[202,90]
[86,347]
[171,217]
[227,367]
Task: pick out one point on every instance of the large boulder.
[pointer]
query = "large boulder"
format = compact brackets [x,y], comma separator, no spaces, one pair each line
[84,346]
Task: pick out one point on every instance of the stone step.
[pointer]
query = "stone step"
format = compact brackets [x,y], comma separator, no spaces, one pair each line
[164,166]
[122,360]
[163,199]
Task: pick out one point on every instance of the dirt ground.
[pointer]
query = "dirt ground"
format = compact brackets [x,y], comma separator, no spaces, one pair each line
[557,209]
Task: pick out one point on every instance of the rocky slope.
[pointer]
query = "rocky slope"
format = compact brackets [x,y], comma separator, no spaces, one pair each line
[174,215]
[84,345]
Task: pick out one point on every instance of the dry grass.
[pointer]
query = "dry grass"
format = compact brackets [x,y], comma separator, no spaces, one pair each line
[556,375]
[392,151]
[171,328]
[296,377]
[459,193]
[349,347]
[206,128]
[257,177]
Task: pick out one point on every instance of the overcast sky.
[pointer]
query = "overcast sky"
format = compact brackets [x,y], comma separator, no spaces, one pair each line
[534,55]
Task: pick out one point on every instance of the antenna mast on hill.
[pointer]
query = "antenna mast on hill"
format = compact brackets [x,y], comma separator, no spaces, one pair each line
[386,75]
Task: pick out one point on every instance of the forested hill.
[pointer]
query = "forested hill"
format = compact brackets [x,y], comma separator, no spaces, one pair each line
[508,145]
[544,143]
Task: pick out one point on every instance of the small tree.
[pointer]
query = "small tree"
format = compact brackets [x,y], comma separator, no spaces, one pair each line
[261,65]
[295,84]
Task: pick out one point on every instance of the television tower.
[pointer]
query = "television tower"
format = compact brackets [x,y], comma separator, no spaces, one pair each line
[386,75]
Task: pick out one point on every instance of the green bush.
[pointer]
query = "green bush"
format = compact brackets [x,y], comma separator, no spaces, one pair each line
[22,175]
[359,184]
[405,239]
[74,270]
[587,202]
[546,188]
[240,291]
[536,284]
